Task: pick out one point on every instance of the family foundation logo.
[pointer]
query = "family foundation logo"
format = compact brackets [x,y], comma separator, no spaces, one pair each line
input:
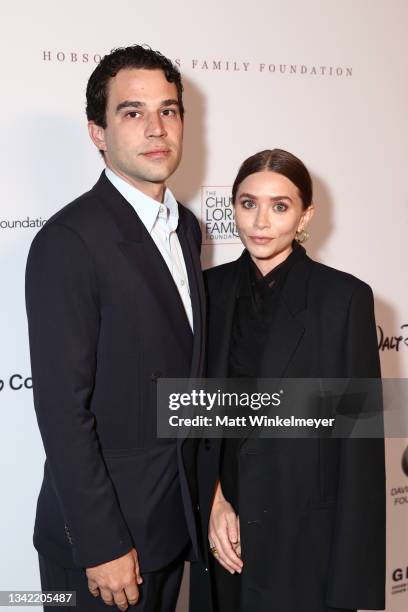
[214,65]
[217,213]
[27,223]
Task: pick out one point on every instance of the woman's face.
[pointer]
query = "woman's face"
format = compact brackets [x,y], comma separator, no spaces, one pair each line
[268,213]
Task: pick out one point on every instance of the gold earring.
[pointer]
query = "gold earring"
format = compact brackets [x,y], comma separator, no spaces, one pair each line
[301,236]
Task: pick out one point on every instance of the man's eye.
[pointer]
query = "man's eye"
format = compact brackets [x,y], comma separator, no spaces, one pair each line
[248,204]
[132,114]
[169,112]
[280,207]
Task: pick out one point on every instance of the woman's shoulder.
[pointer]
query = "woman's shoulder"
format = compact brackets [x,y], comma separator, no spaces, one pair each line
[337,281]
[222,273]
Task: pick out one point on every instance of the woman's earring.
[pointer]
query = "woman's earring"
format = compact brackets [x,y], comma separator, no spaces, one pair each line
[301,236]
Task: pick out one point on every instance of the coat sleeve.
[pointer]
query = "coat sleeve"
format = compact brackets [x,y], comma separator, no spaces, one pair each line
[357,564]
[63,320]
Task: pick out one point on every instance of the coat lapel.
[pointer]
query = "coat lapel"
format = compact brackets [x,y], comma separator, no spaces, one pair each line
[281,344]
[222,313]
[287,328]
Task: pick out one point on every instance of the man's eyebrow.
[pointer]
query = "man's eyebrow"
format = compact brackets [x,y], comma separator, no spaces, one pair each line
[254,197]
[170,102]
[127,103]
[138,104]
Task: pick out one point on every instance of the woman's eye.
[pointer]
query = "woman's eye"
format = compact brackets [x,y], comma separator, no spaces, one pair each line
[280,207]
[248,204]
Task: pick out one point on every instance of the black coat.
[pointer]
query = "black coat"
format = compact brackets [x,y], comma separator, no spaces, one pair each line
[312,511]
[105,322]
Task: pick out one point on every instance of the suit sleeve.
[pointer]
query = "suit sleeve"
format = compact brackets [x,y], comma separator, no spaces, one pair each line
[357,564]
[63,320]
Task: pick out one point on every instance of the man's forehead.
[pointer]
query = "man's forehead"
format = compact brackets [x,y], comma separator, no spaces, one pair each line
[141,81]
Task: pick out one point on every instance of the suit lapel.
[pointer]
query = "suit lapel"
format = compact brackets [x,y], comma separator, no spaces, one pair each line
[146,260]
[197,293]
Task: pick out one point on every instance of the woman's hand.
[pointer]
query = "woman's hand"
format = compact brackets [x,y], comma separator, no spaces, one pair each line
[224,533]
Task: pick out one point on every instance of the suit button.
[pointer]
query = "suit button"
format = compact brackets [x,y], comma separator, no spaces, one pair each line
[155,375]
[207,444]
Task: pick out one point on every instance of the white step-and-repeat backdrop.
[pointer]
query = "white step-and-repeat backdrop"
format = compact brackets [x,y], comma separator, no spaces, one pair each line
[324,80]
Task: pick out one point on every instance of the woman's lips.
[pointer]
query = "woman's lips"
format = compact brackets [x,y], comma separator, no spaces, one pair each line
[260,239]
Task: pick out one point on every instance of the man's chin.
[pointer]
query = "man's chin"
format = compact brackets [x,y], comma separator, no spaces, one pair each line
[160,176]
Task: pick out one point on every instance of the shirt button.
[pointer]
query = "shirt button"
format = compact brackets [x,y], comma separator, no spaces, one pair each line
[182,283]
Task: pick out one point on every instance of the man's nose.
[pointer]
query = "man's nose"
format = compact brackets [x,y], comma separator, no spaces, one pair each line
[155,126]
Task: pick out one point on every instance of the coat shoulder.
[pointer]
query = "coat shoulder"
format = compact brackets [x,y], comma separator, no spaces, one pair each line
[84,217]
[78,212]
[336,281]
[219,275]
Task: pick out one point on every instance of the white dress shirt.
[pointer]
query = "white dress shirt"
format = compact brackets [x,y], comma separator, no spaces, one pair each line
[161,222]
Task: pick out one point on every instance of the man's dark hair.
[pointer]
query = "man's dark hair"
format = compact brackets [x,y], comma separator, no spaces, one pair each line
[136,56]
[282,162]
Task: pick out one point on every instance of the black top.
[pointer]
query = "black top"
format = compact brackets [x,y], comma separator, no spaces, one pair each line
[255,301]
[255,305]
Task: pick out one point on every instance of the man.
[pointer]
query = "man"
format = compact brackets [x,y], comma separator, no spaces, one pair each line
[115,301]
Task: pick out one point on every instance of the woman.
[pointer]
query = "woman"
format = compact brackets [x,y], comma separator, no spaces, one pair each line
[295,525]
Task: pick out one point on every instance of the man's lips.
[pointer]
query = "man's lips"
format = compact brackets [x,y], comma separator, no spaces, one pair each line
[157,153]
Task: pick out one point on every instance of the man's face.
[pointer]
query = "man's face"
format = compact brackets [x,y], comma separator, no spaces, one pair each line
[142,141]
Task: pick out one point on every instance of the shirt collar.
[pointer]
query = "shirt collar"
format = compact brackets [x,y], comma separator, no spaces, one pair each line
[146,207]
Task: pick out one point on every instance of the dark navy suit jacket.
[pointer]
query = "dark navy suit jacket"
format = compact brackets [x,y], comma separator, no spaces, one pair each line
[105,322]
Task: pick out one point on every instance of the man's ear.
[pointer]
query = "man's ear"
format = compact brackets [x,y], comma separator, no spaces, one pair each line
[97,134]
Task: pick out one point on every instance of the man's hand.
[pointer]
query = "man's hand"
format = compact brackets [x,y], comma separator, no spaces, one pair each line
[116,581]
[224,533]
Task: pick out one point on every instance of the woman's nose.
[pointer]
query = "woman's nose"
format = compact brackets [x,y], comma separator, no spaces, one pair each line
[262,219]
